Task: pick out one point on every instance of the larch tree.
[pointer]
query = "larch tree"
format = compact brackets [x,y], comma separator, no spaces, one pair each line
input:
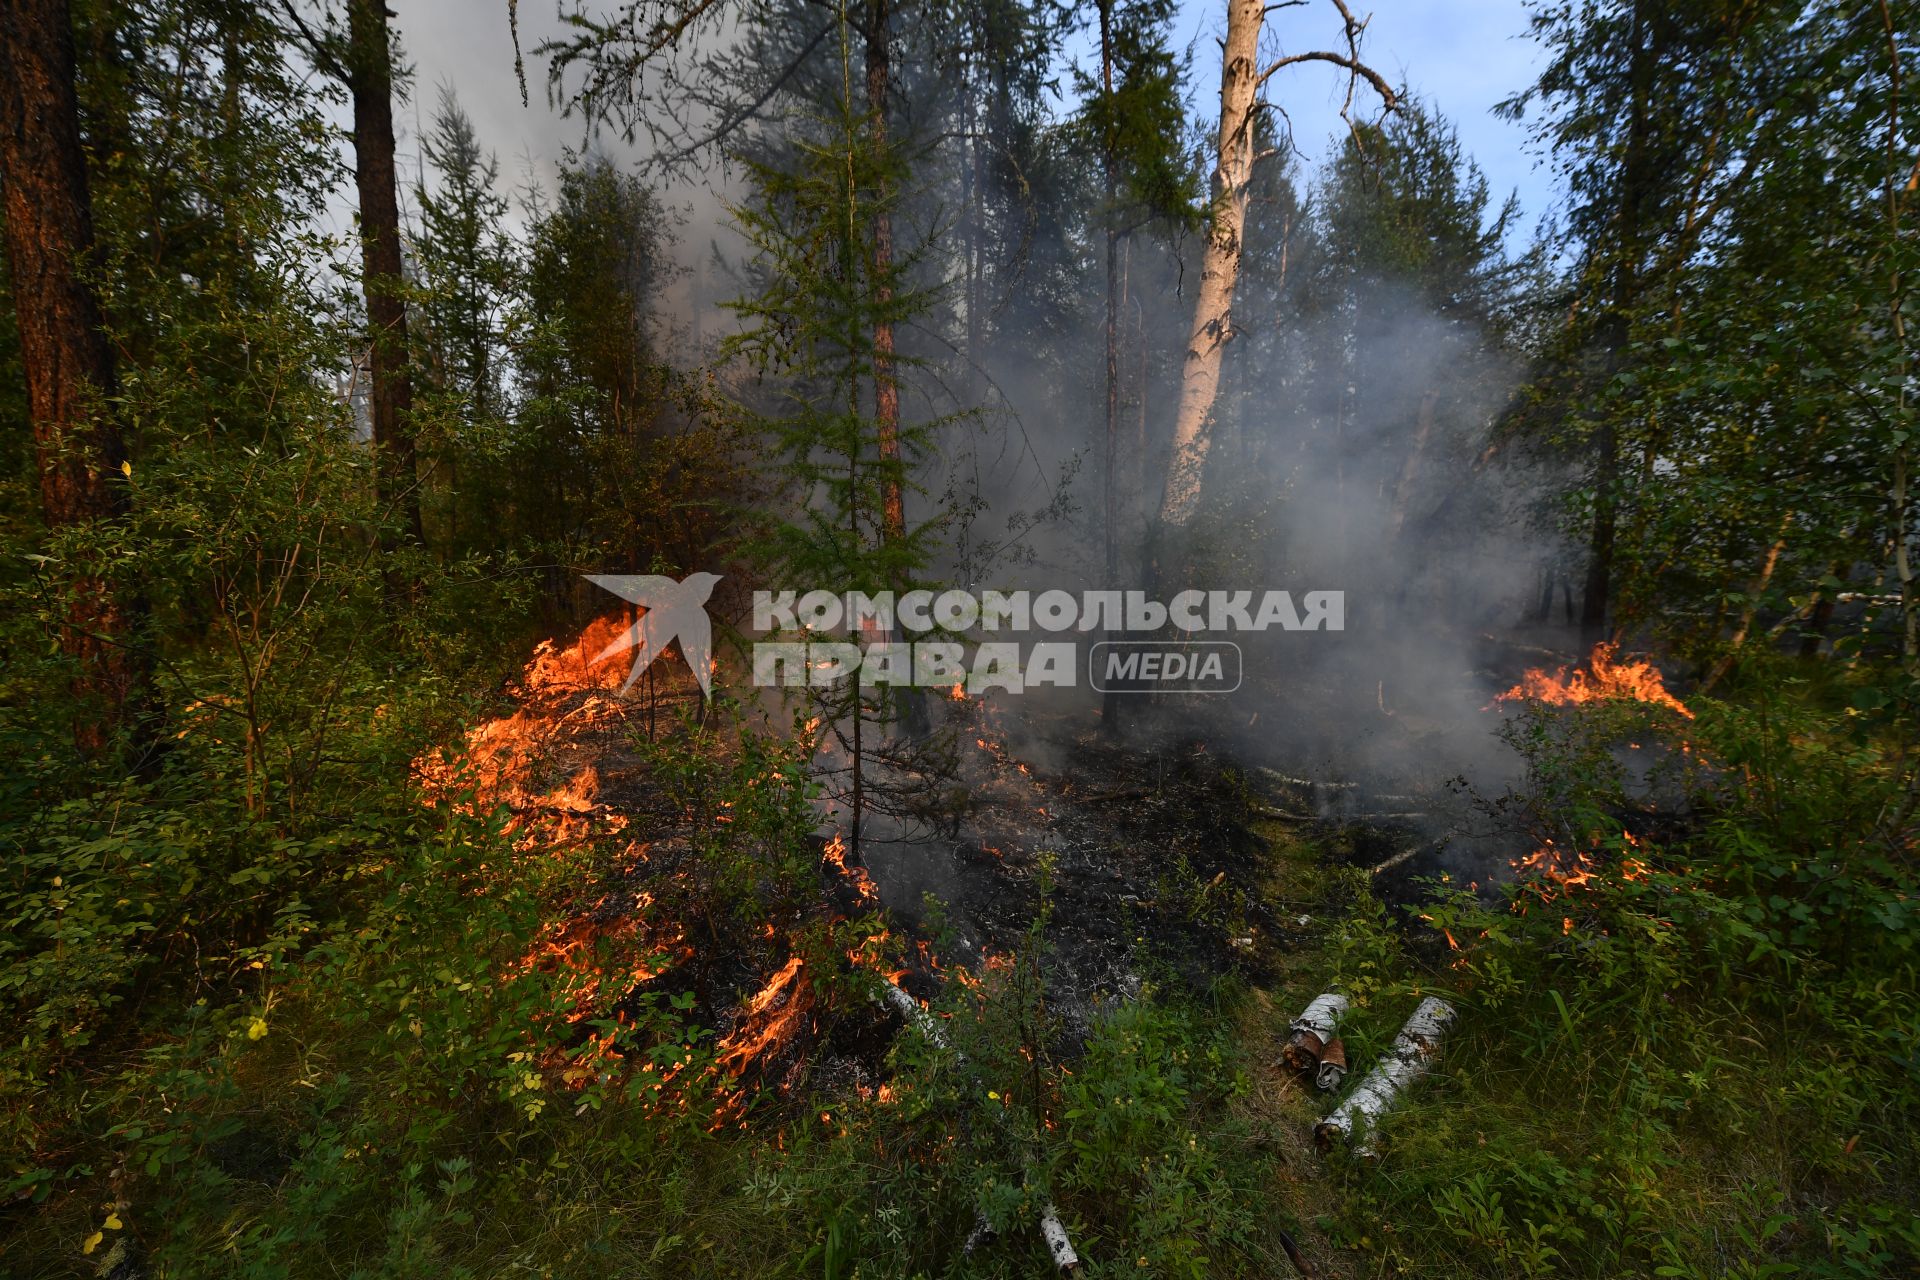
[617,53]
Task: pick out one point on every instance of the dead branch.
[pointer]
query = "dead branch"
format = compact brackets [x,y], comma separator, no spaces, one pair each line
[1404,856]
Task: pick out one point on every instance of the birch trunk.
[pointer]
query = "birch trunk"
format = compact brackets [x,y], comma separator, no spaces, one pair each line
[1755,591]
[1405,1061]
[1220,262]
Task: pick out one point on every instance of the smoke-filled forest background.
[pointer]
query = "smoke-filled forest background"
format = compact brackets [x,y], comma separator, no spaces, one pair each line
[357,922]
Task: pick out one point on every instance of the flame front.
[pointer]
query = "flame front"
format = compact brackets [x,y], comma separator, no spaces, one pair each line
[1602,679]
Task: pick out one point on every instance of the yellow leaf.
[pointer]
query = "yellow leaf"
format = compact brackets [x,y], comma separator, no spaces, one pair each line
[93,1242]
[126,469]
[113,1222]
[256,1028]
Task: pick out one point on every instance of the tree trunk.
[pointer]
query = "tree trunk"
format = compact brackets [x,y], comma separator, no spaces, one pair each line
[1410,470]
[1220,263]
[1818,621]
[1897,314]
[68,362]
[1600,540]
[1755,592]
[1615,329]
[973,201]
[1110,703]
[886,390]
[370,83]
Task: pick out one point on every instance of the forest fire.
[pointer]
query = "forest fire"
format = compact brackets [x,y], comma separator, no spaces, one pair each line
[1604,678]
[498,763]
[770,1020]
[1555,869]
[1553,874]
[539,762]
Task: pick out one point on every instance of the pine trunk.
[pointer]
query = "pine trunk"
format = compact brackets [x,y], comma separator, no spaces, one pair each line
[370,83]
[68,362]
[886,390]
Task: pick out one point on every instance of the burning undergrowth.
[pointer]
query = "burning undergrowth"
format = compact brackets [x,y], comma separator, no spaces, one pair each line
[718,882]
[710,885]
[1558,755]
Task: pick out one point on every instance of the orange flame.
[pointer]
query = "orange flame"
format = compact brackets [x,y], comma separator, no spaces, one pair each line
[835,856]
[1604,678]
[771,1019]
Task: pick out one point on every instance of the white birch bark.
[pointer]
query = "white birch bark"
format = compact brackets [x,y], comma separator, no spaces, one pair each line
[1051,1228]
[1310,1032]
[1220,263]
[1411,1053]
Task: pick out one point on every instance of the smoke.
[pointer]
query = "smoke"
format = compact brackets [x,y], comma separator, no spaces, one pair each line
[1348,442]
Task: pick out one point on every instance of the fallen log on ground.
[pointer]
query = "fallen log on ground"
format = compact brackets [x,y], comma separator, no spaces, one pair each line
[1291,781]
[1052,1230]
[1308,1034]
[1405,1061]
[1333,1066]
[1407,855]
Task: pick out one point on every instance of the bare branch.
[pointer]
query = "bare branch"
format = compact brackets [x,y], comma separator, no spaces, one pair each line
[1358,68]
[752,109]
[318,49]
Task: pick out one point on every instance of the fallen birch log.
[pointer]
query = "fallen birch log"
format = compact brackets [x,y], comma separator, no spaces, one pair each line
[1406,855]
[1333,1066]
[1052,1230]
[1292,781]
[1405,1061]
[1308,1034]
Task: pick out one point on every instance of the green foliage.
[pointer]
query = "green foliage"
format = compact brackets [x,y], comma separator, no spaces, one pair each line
[1133,121]
[822,294]
[1682,1057]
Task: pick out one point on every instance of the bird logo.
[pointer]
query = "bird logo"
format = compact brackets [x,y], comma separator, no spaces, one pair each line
[670,611]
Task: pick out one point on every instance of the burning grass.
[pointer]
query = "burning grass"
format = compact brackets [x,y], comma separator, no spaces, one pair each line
[1605,677]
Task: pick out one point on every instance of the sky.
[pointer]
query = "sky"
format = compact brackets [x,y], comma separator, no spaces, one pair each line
[1461,55]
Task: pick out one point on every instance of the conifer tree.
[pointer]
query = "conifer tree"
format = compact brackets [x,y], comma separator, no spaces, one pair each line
[810,329]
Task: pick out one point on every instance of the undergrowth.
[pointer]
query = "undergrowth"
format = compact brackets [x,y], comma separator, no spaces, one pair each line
[271,1049]
[1689,1053]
